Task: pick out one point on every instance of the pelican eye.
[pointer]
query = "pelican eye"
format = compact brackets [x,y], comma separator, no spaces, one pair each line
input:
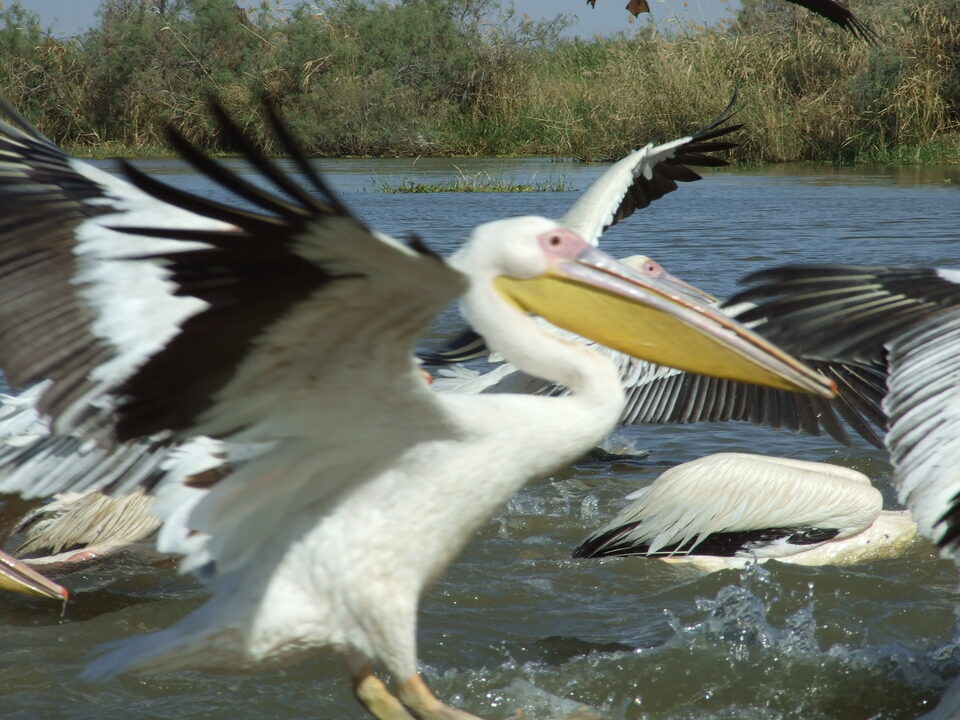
[653,269]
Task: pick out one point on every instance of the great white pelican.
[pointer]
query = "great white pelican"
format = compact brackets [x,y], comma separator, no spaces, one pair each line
[288,326]
[83,525]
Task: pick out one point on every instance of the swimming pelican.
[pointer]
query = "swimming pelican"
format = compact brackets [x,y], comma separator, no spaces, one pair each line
[162,315]
[906,320]
[760,508]
[830,10]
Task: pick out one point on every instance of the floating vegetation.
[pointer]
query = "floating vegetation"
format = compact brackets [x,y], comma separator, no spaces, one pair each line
[477,182]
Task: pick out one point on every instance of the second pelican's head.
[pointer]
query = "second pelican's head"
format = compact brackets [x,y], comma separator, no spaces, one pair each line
[550,271]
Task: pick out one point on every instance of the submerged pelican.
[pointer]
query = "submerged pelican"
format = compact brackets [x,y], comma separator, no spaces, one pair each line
[289,328]
[905,320]
[760,508]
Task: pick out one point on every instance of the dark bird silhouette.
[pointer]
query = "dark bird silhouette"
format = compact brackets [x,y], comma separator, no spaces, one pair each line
[828,9]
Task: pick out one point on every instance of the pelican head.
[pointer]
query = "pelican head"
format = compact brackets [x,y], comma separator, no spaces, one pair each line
[548,270]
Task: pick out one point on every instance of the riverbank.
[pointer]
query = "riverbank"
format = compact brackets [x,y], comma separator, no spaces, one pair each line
[437,77]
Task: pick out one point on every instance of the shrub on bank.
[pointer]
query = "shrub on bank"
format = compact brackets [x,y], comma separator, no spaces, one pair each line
[361,77]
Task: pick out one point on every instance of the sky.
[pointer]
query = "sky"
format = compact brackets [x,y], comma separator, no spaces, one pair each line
[70,17]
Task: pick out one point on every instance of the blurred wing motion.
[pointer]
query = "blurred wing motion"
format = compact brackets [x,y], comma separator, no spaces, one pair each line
[830,10]
[285,328]
[736,505]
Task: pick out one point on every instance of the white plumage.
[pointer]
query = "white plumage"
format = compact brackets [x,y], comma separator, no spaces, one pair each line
[138,313]
[905,321]
[358,483]
[728,509]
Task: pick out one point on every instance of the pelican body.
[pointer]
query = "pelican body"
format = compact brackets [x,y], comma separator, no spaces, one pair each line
[729,509]
[288,330]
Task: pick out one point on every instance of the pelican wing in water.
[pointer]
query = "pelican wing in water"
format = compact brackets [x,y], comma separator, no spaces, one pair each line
[287,326]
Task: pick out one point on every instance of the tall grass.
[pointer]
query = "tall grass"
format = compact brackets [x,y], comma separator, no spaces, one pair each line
[361,77]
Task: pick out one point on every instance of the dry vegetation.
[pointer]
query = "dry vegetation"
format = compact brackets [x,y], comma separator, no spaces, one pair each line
[451,77]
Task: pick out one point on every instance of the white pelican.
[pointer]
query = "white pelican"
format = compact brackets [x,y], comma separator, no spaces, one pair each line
[160,314]
[658,394]
[31,458]
[906,320]
[830,10]
[760,508]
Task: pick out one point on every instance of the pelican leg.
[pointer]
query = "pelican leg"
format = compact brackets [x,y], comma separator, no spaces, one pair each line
[415,694]
[376,697]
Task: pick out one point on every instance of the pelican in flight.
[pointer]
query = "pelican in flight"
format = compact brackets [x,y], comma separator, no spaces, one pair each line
[906,320]
[831,10]
[86,525]
[760,508]
[287,327]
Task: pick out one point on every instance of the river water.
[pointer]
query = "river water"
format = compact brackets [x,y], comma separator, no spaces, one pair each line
[515,624]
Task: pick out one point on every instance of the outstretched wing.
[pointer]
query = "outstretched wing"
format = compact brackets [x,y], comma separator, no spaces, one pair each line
[904,318]
[661,395]
[646,175]
[160,314]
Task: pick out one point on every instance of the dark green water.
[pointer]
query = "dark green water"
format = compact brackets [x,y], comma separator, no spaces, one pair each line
[517,625]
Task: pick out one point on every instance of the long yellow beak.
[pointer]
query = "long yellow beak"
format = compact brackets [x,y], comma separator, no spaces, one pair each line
[16,576]
[657,319]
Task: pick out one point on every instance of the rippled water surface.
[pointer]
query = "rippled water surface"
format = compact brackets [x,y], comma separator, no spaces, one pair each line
[515,624]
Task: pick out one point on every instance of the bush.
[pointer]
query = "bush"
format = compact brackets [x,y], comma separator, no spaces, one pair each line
[367,77]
